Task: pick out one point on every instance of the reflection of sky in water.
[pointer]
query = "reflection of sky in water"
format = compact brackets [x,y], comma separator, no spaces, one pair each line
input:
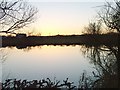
[47,61]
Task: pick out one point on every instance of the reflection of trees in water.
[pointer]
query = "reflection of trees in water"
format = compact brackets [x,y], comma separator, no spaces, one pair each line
[105,60]
[29,48]
[3,56]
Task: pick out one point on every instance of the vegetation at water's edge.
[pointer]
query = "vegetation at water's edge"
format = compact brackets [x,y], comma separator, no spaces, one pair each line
[85,82]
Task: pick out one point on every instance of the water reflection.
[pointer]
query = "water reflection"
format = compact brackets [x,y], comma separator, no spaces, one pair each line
[67,62]
[105,60]
[46,62]
[3,57]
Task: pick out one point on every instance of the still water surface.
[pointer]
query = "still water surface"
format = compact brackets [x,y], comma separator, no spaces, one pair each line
[46,62]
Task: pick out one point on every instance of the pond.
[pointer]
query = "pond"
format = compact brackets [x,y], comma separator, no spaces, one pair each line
[46,62]
[58,63]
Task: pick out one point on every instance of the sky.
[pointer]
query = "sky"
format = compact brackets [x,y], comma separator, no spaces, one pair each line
[64,17]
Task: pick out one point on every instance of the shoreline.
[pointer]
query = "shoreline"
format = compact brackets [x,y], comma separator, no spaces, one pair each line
[87,39]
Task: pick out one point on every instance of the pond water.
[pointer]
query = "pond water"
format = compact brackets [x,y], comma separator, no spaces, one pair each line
[45,62]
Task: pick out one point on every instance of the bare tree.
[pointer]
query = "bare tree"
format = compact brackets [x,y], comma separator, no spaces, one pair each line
[110,15]
[14,15]
[93,28]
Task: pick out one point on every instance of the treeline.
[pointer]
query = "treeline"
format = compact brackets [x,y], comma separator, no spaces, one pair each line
[85,39]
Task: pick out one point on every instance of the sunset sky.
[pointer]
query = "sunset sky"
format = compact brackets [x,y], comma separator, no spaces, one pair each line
[64,16]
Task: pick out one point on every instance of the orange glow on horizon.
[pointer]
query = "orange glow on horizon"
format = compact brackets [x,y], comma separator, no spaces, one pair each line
[62,18]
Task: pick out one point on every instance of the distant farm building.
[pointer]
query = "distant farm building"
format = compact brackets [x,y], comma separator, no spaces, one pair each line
[20,35]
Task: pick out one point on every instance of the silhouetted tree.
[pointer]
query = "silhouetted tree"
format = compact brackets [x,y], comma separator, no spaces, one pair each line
[110,15]
[93,28]
[14,15]
[111,18]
